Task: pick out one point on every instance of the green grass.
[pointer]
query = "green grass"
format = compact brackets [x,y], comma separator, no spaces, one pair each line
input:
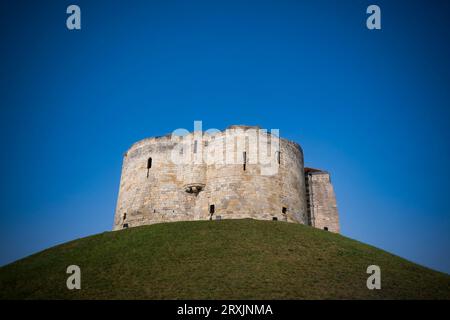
[228,259]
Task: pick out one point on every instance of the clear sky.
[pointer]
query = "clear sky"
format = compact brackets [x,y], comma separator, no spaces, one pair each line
[371,107]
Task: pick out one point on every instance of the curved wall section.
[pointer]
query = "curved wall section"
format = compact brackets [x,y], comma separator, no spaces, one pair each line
[236,173]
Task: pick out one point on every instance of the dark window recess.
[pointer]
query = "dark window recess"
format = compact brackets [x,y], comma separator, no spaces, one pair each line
[284,210]
[211,209]
[195,146]
[125,225]
[279,157]
[244,156]
[274,219]
[124,216]
[149,165]
[325,228]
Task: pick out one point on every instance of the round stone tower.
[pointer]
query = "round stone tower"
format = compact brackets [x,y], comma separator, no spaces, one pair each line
[241,172]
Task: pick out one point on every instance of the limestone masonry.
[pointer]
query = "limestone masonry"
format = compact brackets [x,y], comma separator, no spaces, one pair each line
[241,172]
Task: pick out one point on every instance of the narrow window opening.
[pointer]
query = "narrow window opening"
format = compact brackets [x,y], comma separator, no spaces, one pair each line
[325,228]
[274,219]
[279,157]
[149,165]
[124,216]
[195,146]
[244,156]
[284,210]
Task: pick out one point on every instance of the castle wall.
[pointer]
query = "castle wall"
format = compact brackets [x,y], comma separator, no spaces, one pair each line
[150,195]
[321,202]
[252,193]
[224,170]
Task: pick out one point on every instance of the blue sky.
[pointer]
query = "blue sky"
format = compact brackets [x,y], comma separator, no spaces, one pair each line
[371,107]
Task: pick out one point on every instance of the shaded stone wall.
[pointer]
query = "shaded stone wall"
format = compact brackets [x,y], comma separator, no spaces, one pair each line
[321,201]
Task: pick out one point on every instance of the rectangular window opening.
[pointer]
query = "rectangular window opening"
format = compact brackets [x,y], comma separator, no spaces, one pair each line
[149,163]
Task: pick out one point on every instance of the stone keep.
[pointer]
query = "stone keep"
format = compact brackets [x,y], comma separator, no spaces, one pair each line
[241,172]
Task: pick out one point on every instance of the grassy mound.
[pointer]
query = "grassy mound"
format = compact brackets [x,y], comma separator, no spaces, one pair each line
[228,259]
